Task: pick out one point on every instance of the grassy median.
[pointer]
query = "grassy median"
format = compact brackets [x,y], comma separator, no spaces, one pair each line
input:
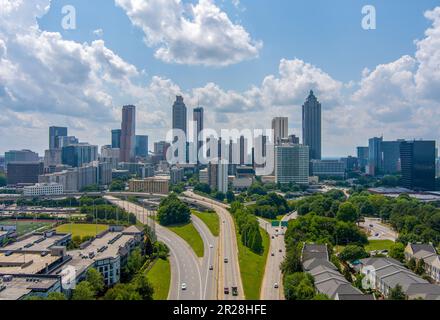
[160,278]
[189,233]
[211,220]
[252,266]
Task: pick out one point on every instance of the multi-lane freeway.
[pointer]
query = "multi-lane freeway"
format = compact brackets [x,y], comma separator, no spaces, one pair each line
[272,286]
[229,268]
[186,268]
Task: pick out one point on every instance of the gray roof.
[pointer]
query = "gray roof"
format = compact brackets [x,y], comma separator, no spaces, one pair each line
[313,263]
[427,291]
[314,251]
[416,247]
[355,297]
[404,279]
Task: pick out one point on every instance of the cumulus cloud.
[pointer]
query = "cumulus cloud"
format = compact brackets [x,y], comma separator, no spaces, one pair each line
[193,34]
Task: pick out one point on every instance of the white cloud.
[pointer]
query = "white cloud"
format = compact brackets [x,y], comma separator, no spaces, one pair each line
[193,34]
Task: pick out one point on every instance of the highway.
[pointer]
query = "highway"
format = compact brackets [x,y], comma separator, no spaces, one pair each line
[185,266]
[272,273]
[378,230]
[229,273]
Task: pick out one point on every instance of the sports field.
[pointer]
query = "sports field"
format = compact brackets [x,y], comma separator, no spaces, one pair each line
[27,226]
[82,230]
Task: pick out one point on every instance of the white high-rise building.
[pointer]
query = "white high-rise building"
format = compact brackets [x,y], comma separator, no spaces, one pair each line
[292,164]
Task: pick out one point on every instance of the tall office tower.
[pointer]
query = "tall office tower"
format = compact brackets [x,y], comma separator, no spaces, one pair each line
[232,154]
[374,156]
[418,165]
[180,115]
[280,127]
[67,141]
[116,138]
[142,146]
[128,134]
[222,180]
[311,121]
[390,157]
[362,154]
[244,156]
[213,175]
[292,164]
[293,139]
[199,120]
[54,134]
[79,154]
[161,148]
[20,156]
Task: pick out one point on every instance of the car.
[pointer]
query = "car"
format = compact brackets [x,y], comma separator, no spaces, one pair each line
[234,291]
[376,235]
[280,251]
[273,237]
[211,246]
[226,260]
[184,286]
[211,268]
[272,254]
[226,291]
[276,286]
[371,226]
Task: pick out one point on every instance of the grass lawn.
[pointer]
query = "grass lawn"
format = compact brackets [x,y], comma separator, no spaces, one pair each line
[252,267]
[160,278]
[82,230]
[211,219]
[189,233]
[27,226]
[373,245]
[379,245]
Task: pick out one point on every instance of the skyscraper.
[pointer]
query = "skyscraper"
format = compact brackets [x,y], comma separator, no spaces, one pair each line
[362,154]
[198,119]
[418,165]
[374,156]
[54,134]
[142,146]
[128,134]
[78,155]
[311,121]
[179,115]
[292,164]
[390,157]
[222,180]
[20,156]
[116,138]
[280,127]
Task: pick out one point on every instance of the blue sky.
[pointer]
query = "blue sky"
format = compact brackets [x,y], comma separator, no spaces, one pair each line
[244,63]
[322,32]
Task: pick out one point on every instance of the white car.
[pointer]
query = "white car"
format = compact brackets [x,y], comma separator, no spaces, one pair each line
[184,286]
[211,246]
[276,286]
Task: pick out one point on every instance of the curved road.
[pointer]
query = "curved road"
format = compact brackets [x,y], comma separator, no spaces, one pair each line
[229,273]
[272,273]
[185,266]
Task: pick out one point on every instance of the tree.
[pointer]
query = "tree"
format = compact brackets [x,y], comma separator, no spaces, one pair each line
[144,287]
[117,185]
[397,251]
[299,286]
[230,196]
[321,296]
[347,212]
[412,263]
[134,263]
[292,262]
[173,211]
[397,293]
[96,280]
[420,267]
[83,291]
[122,292]
[202,187]
[56,296]
[220,196]
[352,253]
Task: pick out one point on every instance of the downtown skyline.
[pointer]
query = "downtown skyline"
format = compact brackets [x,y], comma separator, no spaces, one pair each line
[396,98]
